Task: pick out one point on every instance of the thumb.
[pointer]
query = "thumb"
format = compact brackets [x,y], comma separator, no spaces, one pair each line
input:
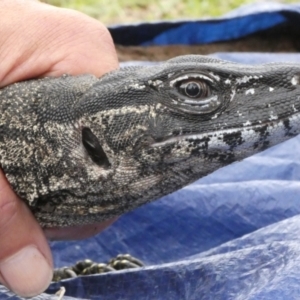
[25,257]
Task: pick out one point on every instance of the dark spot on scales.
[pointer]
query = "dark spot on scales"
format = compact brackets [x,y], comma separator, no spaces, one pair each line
[225,158]
[233,139]
[288,128]
[286,124]
[175,132]
[167,151]
[263,131]
[93,148]
[198,145]
[263,143]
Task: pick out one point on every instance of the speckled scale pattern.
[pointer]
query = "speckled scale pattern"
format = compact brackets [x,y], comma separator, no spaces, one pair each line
[156,138]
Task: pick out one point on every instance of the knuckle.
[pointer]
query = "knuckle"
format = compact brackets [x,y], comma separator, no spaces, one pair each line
[8,211]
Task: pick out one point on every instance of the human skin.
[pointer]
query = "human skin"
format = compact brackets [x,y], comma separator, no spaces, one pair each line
[38,40]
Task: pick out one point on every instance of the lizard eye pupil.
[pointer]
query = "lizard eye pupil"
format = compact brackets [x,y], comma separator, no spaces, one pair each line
[192,89]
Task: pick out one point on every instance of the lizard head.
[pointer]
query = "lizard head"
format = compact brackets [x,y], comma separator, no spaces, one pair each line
[147,131]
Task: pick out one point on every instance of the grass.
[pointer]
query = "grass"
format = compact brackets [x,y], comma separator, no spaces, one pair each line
[128,11]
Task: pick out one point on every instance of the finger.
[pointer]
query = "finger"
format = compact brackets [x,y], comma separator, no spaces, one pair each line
[68,42]
[25,258]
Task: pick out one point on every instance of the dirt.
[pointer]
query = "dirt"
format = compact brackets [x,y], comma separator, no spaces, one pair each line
[268,41]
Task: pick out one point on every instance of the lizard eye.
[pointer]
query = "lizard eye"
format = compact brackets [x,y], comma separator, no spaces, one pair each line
[194,93]
[194,89]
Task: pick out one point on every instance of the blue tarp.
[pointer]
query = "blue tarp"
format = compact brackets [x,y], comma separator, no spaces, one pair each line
[231,235]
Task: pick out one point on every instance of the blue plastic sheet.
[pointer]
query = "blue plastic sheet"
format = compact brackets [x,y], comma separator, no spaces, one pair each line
[231,235]
[242,22]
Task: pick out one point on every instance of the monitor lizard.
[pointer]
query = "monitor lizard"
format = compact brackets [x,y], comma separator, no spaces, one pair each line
[82,149]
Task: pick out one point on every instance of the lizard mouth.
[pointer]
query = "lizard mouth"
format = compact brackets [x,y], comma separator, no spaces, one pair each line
[279,129]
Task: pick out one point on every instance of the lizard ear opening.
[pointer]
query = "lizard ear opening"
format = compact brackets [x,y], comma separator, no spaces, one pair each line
[93,148]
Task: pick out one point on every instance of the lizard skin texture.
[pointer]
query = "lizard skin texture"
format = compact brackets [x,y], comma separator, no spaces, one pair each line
[82,149]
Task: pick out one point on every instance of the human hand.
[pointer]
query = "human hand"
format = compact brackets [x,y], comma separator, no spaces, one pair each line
[38,40]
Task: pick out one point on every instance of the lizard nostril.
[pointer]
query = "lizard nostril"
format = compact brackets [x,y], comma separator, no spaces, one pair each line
[93,148]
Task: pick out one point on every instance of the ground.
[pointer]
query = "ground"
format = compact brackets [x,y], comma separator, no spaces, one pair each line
[128,11]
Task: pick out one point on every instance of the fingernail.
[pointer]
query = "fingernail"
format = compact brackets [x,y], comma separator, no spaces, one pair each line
[27,272]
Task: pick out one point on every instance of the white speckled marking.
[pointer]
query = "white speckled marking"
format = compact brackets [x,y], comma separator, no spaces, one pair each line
[294,108]
[215,116]
[214,76]
[273,117]
[137,86]
[156,83]
[250,91]
[295,80]
[244,79]
[232,94]
[189,76]
[248,123]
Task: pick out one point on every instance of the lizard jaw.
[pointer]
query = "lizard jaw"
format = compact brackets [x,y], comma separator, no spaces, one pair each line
[282,129]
